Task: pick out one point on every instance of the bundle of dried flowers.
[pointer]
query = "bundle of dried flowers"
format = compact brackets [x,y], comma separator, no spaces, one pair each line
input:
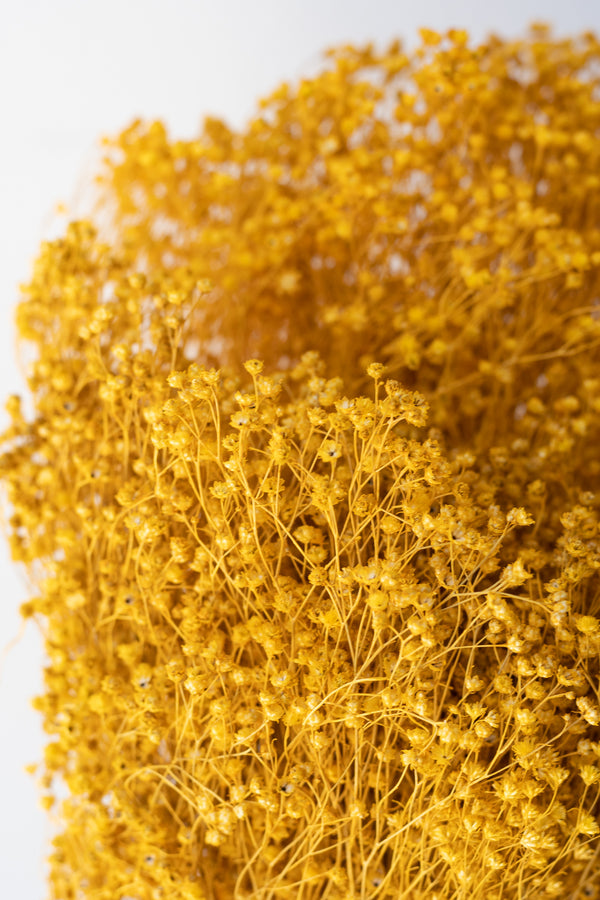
[327,624]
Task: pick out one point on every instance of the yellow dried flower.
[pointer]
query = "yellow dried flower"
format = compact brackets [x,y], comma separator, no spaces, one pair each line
[312,632]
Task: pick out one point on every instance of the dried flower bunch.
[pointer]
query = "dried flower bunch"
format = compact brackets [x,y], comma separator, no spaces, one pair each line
[327,624]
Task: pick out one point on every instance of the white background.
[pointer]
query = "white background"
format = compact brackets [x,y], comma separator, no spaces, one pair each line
[73,70]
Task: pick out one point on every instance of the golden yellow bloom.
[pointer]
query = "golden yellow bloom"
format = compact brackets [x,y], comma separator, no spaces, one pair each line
[311,490]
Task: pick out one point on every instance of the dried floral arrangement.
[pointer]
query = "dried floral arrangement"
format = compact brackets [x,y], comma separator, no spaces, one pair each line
[311,491]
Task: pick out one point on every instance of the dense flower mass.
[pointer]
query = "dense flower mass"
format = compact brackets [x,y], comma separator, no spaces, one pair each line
[311,491]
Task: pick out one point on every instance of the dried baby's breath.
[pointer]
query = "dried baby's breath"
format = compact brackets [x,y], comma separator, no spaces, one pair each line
[310,493]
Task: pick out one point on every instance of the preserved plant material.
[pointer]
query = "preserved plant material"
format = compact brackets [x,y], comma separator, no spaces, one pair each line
[311,490]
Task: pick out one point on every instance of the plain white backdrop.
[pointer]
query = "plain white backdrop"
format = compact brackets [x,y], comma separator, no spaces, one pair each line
[74,70]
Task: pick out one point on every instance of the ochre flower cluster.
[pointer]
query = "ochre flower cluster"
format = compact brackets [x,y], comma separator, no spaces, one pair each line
[310,492]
